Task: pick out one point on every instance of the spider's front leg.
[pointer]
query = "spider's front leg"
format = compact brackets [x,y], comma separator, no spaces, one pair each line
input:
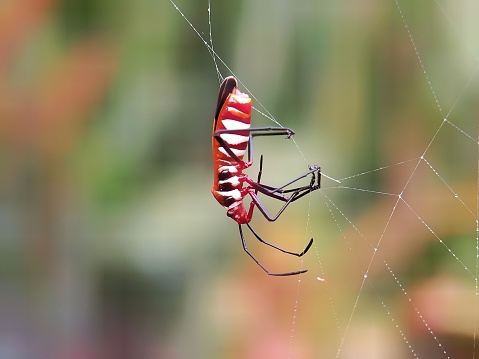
[253,132]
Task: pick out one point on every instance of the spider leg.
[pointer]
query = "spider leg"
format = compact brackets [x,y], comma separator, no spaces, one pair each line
[260,172]
[255,131]
[255,201]
[278,192]
[312,186]
[269,190]
[258,263]
[279,248]
[259,131]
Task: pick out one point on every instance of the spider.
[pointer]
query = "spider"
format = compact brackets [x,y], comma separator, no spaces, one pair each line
[232,134]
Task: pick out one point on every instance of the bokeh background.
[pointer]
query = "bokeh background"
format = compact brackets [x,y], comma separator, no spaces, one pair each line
[111,245]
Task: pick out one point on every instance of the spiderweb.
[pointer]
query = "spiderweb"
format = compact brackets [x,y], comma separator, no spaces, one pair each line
[394,267]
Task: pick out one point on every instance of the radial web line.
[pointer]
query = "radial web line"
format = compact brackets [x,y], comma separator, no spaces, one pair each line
[438,238]
[295,316]
[406,26]
[418,313]
[454,27]
[462,131]
[356,229]
[212,51]
[394,321]
[378,169]
[348,323]
[269,116]
[431,88]
[298,286]
[456,195]
[331,302]
[208,46]
[464,88]
[361,190]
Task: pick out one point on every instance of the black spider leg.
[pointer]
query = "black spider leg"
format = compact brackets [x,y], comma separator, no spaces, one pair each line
[270,244]
[298,192]
[283,274]
[311,186]
[276,193]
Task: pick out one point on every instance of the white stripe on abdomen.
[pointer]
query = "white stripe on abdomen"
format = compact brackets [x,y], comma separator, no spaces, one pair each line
[236,194]
[230,169]
[234,125]
[238,153]
[234,180]
[233,139]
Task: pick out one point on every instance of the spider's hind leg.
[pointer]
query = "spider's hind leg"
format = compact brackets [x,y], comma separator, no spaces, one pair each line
[282,274]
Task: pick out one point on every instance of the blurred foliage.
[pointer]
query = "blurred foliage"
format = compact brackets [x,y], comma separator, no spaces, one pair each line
[111,245]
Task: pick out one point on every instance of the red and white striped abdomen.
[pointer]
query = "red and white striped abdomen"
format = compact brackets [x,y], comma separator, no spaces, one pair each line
[234,116]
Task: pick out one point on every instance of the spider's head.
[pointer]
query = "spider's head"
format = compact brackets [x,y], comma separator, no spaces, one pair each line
[238,214]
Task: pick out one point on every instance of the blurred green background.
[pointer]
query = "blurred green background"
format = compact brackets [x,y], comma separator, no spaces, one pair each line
[111,245]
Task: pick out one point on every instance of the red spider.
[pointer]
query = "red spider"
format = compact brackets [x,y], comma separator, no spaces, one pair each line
[232,134]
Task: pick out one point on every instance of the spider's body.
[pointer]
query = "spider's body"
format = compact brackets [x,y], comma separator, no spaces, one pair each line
[232,135]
